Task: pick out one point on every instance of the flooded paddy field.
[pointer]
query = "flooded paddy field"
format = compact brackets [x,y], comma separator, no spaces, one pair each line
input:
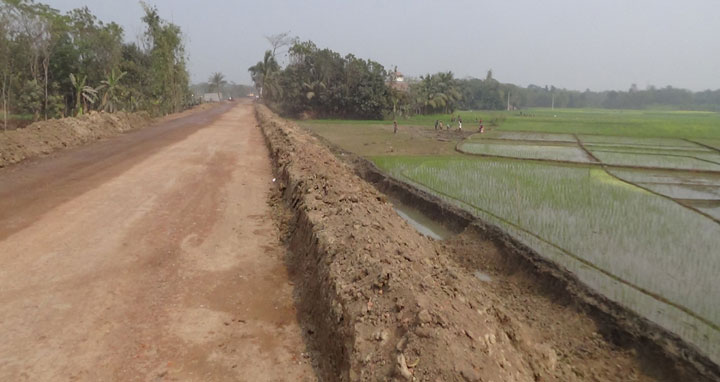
[628,202]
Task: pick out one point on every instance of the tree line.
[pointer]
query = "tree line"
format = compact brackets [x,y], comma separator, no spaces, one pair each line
[322,83]
[55,64]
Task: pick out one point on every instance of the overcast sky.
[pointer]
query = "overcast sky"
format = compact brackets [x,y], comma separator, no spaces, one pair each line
[574,44]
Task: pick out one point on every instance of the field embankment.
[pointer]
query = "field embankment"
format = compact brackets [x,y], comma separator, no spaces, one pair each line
[379,300]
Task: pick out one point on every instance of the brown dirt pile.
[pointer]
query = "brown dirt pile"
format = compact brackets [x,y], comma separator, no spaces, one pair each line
[380,302]
[44,137]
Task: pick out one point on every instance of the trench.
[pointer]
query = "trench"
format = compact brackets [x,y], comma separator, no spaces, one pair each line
[420,221]
[624,327]
[658,347]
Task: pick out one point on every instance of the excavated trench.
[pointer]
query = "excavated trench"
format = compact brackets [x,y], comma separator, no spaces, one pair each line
[381,301]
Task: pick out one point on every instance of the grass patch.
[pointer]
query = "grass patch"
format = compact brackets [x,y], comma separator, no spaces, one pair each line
[378,139]
[630,123]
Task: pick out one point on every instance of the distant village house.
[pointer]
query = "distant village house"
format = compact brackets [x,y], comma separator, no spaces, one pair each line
[211,97]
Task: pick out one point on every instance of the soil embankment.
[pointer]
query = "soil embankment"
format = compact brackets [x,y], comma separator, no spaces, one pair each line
[382,301]
[47,136]
[44,137]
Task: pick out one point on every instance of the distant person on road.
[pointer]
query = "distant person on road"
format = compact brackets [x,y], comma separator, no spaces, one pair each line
[395,127]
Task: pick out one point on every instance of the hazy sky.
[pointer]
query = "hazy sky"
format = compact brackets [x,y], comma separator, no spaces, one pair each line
[575,44]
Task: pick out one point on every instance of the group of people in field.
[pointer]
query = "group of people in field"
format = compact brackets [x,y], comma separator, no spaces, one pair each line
[439,124]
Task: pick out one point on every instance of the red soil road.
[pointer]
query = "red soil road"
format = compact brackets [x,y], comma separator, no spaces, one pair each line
[148,257]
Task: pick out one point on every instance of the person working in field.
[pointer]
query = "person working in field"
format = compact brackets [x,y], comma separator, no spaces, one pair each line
[395,127]
[460,125]
[436,124]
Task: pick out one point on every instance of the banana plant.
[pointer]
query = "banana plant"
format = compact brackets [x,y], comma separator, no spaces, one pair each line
[83,94]
[113,90]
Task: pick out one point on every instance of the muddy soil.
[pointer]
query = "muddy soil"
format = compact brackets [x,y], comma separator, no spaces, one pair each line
[148,257]
[383,302]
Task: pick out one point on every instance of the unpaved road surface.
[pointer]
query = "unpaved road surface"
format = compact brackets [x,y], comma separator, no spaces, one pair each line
[149,257]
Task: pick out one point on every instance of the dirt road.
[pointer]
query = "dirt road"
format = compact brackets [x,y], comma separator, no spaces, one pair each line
[148,257]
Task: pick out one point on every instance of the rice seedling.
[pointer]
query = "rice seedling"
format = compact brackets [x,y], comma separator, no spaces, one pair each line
[525,136]
[706,162]
[714,143]
[634,141]
[668,177]
[642,250]
[525,151]
[671,150]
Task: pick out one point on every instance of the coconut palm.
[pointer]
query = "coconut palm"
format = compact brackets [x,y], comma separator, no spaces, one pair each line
[263,73]
[216,81]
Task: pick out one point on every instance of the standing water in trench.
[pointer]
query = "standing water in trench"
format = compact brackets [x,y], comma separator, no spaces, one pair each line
[422,223]
[429,227]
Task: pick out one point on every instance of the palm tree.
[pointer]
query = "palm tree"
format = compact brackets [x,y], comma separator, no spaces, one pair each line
[113,89]
[83,94]
[263,72]
[216,81]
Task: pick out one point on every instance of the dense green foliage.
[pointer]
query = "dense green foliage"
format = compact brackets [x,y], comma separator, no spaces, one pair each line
[322,83]
[54,64]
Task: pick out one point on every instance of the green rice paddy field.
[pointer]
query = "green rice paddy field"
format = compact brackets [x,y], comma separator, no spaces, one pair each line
[627,200]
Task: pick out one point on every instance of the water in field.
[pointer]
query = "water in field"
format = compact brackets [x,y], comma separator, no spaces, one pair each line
[482,276]
[684,191]
[528,151]
[710,207]
[526,136]
[646,252]
[669,177]
[421,222]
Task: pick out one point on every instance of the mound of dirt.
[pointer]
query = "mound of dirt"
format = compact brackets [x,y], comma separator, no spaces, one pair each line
[44,137]
[379,301]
